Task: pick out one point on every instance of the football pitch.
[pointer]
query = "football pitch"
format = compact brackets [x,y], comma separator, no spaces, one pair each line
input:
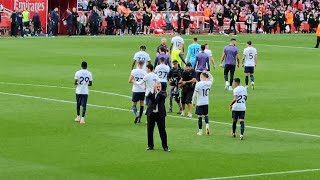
[40,140]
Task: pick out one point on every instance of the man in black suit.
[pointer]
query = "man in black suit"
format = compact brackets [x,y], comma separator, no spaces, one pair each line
[156,113]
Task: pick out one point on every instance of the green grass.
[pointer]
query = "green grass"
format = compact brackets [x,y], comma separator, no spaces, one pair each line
[39,139]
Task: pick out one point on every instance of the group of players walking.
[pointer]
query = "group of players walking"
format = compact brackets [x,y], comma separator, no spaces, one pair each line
[193,82]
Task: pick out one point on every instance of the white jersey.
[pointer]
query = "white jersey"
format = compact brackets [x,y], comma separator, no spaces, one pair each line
[208,51]
[138,75]
[202,91]
[142,56]
[175,41]
[162,71]
[150,79]
[249,53]
[83,78]
[240,104]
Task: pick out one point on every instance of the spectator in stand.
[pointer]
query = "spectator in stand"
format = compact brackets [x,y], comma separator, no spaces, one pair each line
[94,21]
[153,6]
[19,22]
[275,20]
[169,5]
[123,23]
[139,18]
[211,23]
[85,5]
[110,24]
[68,21]
[233,19]
[147,22]
[131,23]
[168,21]
[296,22]
[36,24]
[82,24]
[186,23]
[220,22]
[13,18]
[75,16]
[161,5]
[117,22]
[259,22]
[179,18]
[282,21]
[289,17]
[249,21]
[191,7]
[90,5]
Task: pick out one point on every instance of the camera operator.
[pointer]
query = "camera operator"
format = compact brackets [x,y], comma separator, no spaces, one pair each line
[174,77]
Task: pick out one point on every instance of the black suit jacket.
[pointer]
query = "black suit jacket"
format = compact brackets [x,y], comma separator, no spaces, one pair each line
[160,101]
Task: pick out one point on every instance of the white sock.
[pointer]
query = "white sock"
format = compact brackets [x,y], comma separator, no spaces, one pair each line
[227,83]
[207,126]
[200,131]
[82,118]
[78,117]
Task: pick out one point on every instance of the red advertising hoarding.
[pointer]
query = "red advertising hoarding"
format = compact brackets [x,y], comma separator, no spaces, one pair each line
[40,6]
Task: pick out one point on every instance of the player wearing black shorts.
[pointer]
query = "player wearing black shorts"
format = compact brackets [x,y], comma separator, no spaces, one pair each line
[238,107]
[187,82]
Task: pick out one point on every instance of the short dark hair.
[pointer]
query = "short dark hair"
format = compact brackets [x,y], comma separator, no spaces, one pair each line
[205,75]
[162,49]
[149,66]
[195,39]
[162,59]
[84,65]
[237,80]
[249,43]
[143,47]
[205,44]
[233,39]
[203,47]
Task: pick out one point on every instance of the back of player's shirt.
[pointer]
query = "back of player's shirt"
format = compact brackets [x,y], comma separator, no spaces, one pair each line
[176,41]
[142,56]
[193,50]
[240,104]
[249,53]
[162,71]
[138,75]
[150,79]
[209,52]
[202,59]
[203,90]
[83,78]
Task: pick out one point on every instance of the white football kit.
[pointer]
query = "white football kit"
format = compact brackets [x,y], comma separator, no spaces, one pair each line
[150,79]
[249,53]
[202,90]
[240,104]
[142,56]
[138,75]
[83,78]
[162,71]
[209,52]
[176,41]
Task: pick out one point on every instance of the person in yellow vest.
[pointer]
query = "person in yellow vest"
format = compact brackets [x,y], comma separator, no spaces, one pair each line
[178,55]
[26,21]
[318,36]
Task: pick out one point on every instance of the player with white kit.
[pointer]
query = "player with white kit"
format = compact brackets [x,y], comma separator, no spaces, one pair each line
[141,55]
[249,62]
[162,70]
[149,80]
[138,91]
[83,79]
[175,42]
[201,100]
[238,107]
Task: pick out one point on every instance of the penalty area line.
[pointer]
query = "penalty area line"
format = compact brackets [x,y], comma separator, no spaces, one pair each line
[262,174]
[179,117]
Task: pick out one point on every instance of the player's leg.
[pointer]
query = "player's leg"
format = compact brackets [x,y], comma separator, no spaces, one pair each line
[252,77]
[183,101]
[232,70]
[234,123]
[135,99]
[141,110]
[246,76]
[206,118]
[199,113]
[78,100]
[241,119]
[225,73]
[84,101]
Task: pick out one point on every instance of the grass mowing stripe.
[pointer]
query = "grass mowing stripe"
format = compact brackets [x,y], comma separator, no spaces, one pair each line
[263,174]
[186,118]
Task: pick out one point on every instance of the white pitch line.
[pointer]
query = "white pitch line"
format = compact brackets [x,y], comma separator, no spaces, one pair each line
[262,174]
[179,117]
[62,87]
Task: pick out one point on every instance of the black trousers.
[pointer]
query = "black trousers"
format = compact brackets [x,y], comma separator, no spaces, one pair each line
[21,29]
[54,28]
[211,26]
[179,27]
[249,28]
[36,27]
[318,42]
[258,26]
[109,30]
[161,123]
[69,29]
[94,28]
[232,25]
[13,29]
